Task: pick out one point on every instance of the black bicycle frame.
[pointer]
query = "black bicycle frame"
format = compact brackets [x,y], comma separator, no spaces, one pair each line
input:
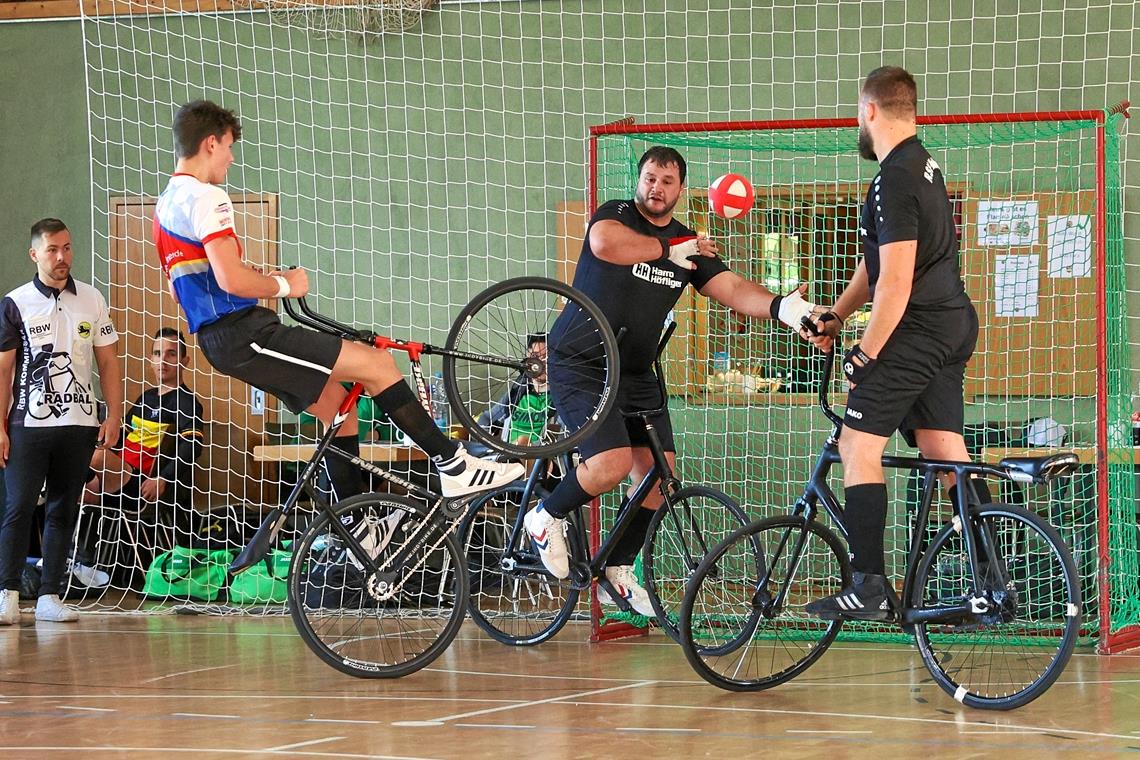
[275,521]
[817,491]
[660,474]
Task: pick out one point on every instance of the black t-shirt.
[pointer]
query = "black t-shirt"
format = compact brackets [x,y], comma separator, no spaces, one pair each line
[163,433]
[907,200]
[637,297]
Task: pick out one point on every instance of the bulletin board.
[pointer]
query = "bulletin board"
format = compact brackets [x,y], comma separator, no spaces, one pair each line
[1029,265]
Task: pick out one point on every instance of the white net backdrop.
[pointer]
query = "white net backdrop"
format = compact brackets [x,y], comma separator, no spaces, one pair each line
[411,168]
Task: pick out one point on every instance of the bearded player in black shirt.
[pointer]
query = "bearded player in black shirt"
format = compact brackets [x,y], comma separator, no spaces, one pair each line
[635,261]
[906,372]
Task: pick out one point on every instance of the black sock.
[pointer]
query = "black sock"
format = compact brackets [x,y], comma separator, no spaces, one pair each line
[344,476]
[632,541]
[866,518]
[568,496]
[405,410]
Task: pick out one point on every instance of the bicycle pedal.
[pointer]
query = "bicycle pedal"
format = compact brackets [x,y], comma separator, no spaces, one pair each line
[616,599]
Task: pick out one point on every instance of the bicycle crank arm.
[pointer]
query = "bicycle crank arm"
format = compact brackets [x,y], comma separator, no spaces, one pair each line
[955,614]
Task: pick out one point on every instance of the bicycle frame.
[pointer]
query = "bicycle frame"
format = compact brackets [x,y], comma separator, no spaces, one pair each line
[275,520]
[661,474]
[818,492]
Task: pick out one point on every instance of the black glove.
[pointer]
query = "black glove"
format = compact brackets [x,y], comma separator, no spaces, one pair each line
[857,365]
[823,327]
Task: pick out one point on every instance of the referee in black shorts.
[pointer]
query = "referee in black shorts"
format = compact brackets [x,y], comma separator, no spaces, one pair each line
[906,372]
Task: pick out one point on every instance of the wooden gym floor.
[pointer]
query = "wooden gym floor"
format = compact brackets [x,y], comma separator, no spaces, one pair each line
[134,686]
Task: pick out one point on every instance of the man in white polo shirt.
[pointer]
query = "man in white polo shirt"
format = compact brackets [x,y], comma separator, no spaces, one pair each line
[53,330]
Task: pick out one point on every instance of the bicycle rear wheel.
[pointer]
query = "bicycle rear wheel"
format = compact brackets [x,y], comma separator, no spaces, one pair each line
[678,539]
[1009,656]
[495,376]
[743,624]
[513,605]
[389,623]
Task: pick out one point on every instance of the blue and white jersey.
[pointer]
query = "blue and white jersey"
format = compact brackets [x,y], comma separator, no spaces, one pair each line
[54,333]
[189,214]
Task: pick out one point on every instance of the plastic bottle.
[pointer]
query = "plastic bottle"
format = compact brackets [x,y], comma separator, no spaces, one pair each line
[441,411]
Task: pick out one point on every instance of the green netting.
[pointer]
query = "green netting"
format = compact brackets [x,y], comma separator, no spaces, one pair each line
[1025,200]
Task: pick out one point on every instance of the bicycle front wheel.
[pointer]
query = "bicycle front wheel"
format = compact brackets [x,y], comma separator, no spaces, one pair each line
[496,359]
[1010,654]
[679,537]
[513,600]
[385,624]
[743,624]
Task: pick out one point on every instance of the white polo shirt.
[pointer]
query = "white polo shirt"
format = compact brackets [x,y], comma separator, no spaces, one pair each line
[54,333]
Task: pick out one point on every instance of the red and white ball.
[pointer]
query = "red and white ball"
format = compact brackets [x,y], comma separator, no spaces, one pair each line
[731,196]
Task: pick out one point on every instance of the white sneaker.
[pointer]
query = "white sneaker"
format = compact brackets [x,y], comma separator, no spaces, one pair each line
[548,534]
[624,581]
[89,576]
[9,607]
[49,608]
[479,475]
[374,535]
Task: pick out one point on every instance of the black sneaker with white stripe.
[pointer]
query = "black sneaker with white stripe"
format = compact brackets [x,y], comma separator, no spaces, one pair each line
[476,475]
[869,597]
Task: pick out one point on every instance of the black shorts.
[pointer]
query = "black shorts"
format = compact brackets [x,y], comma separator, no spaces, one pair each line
[635,391]
[916,383]
[292,363]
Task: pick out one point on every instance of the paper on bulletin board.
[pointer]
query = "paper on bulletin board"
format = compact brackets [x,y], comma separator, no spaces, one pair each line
[1007,223]
[1016,285]
[1069,243]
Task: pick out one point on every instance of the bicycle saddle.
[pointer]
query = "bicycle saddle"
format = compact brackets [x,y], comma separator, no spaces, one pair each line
[1040,469]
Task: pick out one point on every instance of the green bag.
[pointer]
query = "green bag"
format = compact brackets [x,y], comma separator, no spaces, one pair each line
[188,574]
[264,583]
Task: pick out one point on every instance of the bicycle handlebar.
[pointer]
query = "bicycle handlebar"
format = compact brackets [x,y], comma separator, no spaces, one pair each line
[320,322]
[1050,466]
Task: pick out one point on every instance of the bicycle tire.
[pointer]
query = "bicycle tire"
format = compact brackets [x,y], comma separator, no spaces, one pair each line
[1042,604]
[493,328]
[336,608]
[673,549]
[731,635]
[514,607]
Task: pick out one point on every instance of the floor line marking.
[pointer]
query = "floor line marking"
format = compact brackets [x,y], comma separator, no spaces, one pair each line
[284,747]
[892,718]
[152,751]
[186,673]
[341,720]
[248,695]
[92,709]
[651,729]
[535,702]
[493,725]
[205,715]
[825,731]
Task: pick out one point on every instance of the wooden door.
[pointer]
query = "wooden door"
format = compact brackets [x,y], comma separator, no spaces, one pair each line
[140,304]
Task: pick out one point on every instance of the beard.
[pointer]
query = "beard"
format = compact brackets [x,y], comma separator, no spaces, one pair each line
[866,146]
[641,201]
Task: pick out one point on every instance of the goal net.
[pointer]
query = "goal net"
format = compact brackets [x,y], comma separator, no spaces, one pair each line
[409,153]
[1036,202]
